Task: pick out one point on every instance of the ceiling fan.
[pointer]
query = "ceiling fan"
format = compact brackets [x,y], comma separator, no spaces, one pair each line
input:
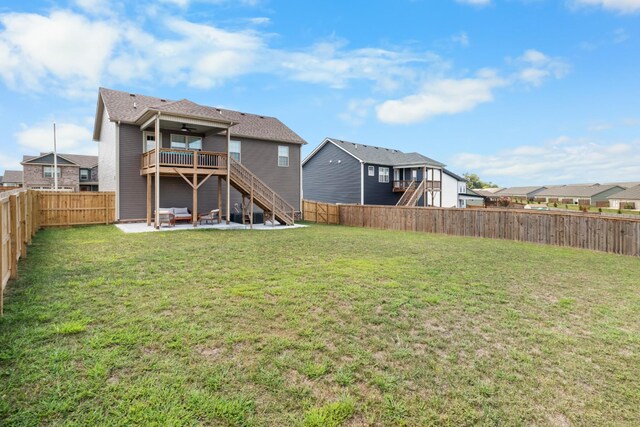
[186,128]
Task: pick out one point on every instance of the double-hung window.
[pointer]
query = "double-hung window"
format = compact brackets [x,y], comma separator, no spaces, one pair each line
[84,174]
[383,174]
[48,171]
[372,171]
[234,150]
[283,156]
[186,142]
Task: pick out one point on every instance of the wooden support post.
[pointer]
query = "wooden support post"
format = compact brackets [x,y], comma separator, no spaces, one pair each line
[157,177]
[251,202]
[148,199]
[424,190]
[23,224]
[219,197]
[106,208]
[13,220]
[228,177]
[194,215]
[2,257]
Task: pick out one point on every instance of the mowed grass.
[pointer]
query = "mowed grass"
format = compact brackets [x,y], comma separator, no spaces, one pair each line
[322,326]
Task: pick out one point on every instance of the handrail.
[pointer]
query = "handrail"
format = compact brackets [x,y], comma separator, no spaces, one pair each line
[415,196]
[407,194]
[269,197]
[175,157]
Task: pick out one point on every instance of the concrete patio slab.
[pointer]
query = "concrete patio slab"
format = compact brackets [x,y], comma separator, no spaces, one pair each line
[141,227]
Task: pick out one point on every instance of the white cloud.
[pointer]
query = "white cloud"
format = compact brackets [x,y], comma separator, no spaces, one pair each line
[62,50]
[461,38]
[357,111]
[442,96]
[561,160]
[536,67]
[70,138]
[622,6]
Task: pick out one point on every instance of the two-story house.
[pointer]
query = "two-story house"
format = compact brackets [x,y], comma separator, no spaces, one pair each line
[156,153]
[346,172]
[75,172]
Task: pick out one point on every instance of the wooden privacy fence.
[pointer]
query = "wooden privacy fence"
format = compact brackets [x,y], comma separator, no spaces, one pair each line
[585,231]
[323,213]
[18,224]
[59,208]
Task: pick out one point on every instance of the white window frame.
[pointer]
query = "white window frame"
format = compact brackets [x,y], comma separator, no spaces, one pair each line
[145,146]
[188,140]
[383,174]
[239,152]
[371,171]
[50,173]
[88,171]
[283,160]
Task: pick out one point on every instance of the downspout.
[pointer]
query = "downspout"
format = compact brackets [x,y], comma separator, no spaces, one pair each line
[361,182]
[157,177]
[118,171]
[301,181]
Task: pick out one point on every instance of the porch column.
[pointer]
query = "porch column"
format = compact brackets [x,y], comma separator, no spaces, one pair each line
[194,215]
[219,198]
[148,199]
[157,154]
[228,177]
[424,186]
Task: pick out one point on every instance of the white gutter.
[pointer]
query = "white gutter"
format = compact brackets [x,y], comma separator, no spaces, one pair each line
[118,171]
[361,182]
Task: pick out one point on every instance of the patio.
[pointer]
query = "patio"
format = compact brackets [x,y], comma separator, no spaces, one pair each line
[141,227]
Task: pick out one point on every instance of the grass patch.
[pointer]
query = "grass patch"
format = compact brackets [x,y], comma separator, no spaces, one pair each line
[325,325]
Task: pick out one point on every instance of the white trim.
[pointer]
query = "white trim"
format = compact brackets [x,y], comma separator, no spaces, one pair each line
[144,139]
[287,156]
[322,144]
[186,143]
[54,158]
[362,183]
[117,142]
[239,159]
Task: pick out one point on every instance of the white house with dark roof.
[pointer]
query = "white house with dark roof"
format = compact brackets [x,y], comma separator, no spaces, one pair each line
[340,171]
[158,154]
[627,199]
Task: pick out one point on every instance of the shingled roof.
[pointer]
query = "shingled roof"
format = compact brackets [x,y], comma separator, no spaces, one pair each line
[83,161]
[632,193]
[576,190]
[383,156]
[519,191]
[128,107]
[12,176]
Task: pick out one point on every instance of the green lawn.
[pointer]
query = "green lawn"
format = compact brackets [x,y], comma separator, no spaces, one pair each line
[322,326]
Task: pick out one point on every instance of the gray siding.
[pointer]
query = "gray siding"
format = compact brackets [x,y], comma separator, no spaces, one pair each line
[261,157]
[326,180]
[379,193]
[605,194]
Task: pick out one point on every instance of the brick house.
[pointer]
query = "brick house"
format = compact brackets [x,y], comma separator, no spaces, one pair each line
[75,172]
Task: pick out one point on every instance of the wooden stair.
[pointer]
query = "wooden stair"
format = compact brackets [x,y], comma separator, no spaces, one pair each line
[411,196]
[250,186]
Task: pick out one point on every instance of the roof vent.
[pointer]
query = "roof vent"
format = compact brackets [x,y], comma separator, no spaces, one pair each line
[135,105]
[163,100]
[356,145]
[132,94]
[262,117]
[242,114]
[218,110]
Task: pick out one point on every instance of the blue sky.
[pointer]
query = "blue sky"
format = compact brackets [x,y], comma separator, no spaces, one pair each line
[518,91]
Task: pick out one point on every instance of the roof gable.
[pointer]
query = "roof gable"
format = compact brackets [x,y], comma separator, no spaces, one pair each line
[632,193]
[378,155]
[127,108]
[577,190]
[47,159]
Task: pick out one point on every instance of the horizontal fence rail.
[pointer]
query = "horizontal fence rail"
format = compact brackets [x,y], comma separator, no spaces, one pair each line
[578,230]
[83,208]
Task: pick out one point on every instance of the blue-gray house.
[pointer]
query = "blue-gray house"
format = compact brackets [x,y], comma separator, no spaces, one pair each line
[346,172]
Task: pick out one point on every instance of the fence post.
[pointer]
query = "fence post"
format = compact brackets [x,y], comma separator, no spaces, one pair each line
[23,224]
[13,256]
[106,208]
[2,255]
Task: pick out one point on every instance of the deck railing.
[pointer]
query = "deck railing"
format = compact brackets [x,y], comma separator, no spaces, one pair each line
[403,185]
[171,157]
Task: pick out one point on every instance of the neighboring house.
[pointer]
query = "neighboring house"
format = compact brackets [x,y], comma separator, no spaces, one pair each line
[198,148]
[76,172]
[12,179]
[520,193]
[578,194]
[627,199]
[464,195]
[346,172]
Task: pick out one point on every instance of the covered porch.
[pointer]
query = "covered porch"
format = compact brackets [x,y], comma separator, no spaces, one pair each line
[185,158]
[421,178]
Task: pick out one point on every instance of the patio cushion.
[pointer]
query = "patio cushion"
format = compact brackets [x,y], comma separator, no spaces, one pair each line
[181,211]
